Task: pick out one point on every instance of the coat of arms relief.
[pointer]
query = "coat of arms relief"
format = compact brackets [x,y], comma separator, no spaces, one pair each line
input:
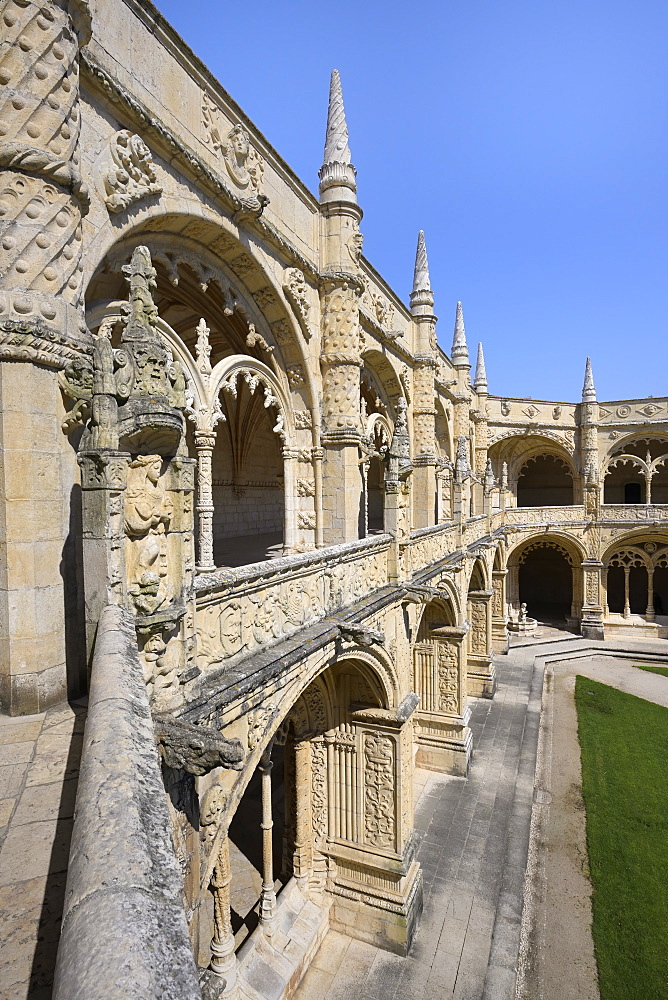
[243,163]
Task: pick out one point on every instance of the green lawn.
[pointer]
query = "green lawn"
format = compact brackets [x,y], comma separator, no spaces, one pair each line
[652,670]
[624,743]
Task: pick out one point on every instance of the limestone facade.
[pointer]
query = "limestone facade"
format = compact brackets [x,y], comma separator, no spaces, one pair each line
[217,415]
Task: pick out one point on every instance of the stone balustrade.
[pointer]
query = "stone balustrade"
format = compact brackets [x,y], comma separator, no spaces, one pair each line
[124,931]
[241,610]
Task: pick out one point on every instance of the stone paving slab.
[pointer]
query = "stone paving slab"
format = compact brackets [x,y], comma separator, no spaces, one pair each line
[39,765]
[473,853]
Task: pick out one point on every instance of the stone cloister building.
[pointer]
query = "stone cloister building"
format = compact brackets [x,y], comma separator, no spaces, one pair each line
[238,467]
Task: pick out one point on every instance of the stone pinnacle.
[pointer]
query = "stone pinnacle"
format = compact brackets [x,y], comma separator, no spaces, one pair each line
[460,351]
[337,171]
[480,380]
[588,389]
[422,294]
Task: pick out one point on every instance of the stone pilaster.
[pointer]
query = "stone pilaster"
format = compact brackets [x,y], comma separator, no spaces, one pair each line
[443,736]
[592,610]
[499,614]
[481,670]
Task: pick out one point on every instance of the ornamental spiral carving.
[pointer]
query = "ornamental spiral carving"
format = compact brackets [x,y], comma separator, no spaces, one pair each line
[42,196]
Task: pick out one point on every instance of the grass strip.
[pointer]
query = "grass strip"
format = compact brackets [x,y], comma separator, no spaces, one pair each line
[624,743]
[652,670]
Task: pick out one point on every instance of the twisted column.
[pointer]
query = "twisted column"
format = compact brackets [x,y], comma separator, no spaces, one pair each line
[43,197]
[223,958]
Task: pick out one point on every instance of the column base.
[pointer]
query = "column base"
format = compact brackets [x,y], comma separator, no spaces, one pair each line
[499,636]
[481,677]
[444,743]
[375,899]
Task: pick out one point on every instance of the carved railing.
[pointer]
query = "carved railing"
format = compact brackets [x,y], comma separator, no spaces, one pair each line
[428,545]
[633,512]
[124,885]
[241,610]
[544,515]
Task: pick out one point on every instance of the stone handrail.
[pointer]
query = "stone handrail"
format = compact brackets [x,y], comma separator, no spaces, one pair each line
[241,610]
[124,931]
[544,515]
[633,512]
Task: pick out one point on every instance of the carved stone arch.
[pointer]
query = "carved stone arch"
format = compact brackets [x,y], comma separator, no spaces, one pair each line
[378,431]
[184,244]
[478,578]
[636,537]
[386,379]
[444,438]
[499,562]
[630,442]
[436,613]
[517,449]
[565,440]
[449,585]
[226,373]
[571,546]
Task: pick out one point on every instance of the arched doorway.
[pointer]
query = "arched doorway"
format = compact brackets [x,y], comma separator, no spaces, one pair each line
[546,581]
[481,674]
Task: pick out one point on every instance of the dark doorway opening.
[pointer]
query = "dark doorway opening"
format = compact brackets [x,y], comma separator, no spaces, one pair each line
[546,584]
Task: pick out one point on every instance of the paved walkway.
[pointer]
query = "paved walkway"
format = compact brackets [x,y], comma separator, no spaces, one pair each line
[39,766]
[473,856]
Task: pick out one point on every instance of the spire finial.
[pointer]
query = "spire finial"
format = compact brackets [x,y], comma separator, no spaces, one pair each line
[480,380]
[460,352]
[337,172]
[422,294]
[588,389]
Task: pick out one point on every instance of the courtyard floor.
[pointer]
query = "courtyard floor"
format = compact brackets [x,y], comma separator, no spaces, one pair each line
[477,834]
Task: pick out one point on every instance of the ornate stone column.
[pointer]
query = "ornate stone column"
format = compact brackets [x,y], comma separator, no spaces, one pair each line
[340,362]
[204,444]
[290,457]
[43,194]
[340,289]
[42,202]
[589,444]
[424,412]
[268,895]
[303,856]
[592,609]
[223,957]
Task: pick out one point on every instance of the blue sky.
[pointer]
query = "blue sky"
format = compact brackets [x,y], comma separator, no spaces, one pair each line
[528,138]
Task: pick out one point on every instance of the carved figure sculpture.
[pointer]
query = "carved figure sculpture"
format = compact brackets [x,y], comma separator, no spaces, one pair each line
[148,511]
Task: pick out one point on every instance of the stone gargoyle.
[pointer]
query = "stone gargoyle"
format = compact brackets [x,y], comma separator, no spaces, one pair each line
[195,749]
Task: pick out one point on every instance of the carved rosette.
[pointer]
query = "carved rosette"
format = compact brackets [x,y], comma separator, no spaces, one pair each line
[42,195]
[340,359]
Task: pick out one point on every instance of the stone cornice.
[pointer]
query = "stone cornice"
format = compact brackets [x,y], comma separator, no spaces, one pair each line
[193,165]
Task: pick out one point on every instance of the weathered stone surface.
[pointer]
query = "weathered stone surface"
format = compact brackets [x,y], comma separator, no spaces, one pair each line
[123,877]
